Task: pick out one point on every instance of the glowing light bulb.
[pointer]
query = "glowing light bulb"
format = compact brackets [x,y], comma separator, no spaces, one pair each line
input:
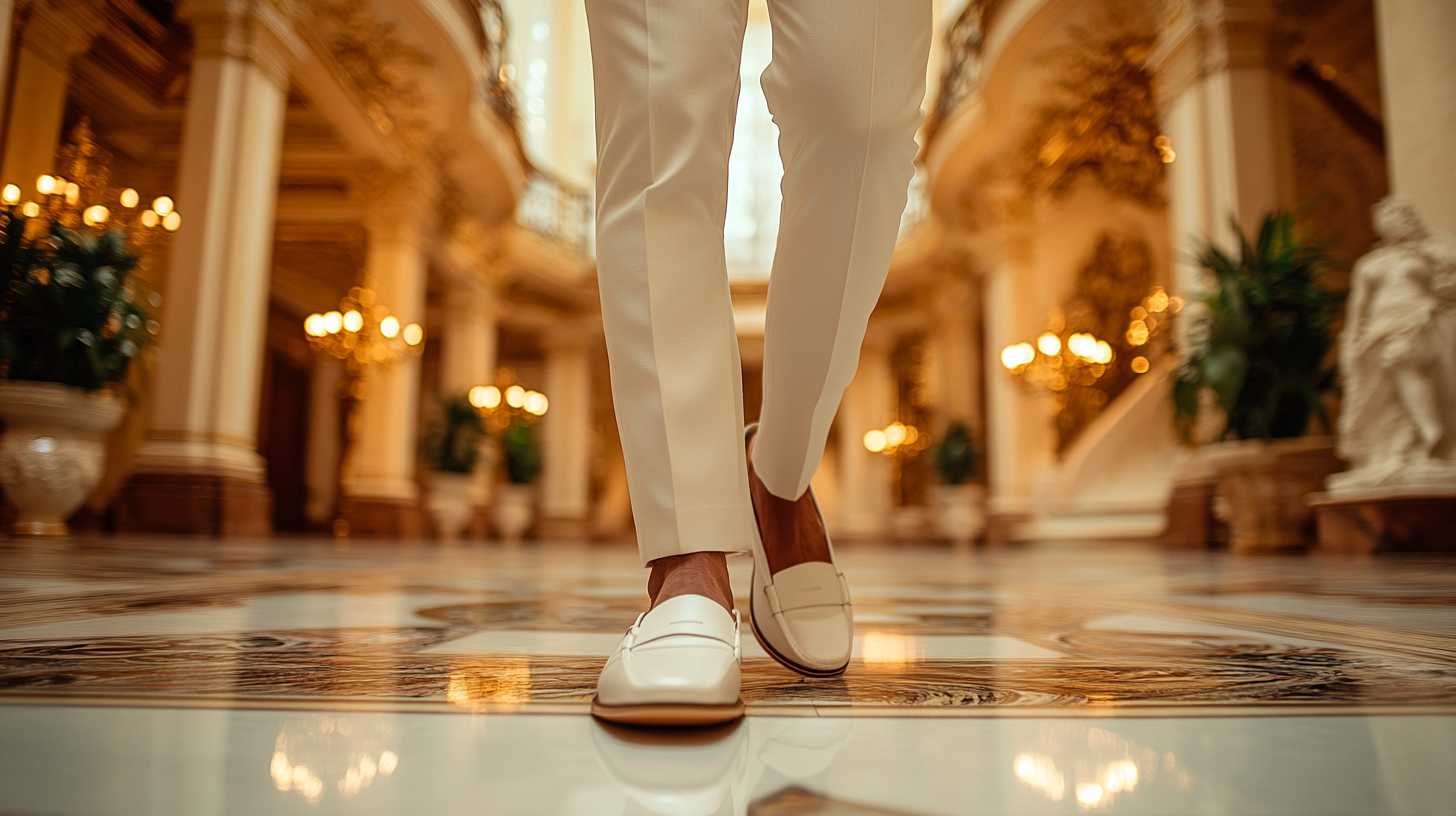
[1049,344]
[1017,355]
[73,193]
[150,218]
[171,221]
[895,434]
[333,322]
[414,334]
[45,185]
[353,321]
[129,198]
[389,327]
[11,194]
[313,325]
[875,441]
[31,209]
[1104,353]
[162,205]
[96,215]
[515,396]
[535,403]
[1140,365]
[485,396]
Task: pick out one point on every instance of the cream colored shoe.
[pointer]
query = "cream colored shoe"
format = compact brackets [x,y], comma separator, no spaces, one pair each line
[677,665]
[802,616]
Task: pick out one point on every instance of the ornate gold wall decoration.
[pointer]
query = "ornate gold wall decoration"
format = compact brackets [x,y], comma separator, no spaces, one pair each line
[378,61]
[1101,120]
[1109,288]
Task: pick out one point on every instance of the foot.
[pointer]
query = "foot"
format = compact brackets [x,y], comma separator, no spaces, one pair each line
[699,573]
[791,530]
[677,665]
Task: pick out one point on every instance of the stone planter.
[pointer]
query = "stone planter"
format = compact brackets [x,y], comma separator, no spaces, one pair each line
[962,512]
[1265,489]
[451,503]
[53,452]
[515,511]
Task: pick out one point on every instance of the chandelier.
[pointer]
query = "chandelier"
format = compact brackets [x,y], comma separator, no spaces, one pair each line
[1058,360]
[362,333]
[895,439]
[488,399]
[81,195]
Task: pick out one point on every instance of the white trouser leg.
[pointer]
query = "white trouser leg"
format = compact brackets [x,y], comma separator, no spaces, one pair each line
[666,75]
[845,87]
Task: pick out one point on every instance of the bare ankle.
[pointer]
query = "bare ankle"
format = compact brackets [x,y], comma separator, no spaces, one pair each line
[700,573]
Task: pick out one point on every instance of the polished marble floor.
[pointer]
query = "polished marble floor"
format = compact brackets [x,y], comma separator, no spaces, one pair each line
[177,676]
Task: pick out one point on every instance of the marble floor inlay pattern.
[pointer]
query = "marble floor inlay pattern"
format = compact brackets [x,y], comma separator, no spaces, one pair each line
[336,648]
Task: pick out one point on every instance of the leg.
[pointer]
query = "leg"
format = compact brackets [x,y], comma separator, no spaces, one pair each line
[845,87]
[666,93]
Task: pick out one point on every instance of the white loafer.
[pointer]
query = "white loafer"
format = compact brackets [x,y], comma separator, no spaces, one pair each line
[677,665]
[802,616]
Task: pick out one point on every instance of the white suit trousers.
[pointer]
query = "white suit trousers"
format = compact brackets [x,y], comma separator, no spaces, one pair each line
[844,87]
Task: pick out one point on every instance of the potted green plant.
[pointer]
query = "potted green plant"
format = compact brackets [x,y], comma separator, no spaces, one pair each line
[452,449]
[72,323]
[515,500]
[1261,358]
[961,500]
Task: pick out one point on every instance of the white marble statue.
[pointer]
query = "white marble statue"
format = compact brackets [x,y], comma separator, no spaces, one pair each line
[1398,359]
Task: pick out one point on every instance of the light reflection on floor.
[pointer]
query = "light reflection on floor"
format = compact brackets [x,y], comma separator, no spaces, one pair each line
[197,677]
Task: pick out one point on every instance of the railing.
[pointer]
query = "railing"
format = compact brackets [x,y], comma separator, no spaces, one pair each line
[559,211]
[962,72]
[496,86]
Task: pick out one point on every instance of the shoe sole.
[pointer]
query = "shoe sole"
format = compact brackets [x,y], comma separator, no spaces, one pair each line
[668,714]
[784,661]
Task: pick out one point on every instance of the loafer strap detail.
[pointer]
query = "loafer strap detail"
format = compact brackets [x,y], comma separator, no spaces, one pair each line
[686,615]
[816,583]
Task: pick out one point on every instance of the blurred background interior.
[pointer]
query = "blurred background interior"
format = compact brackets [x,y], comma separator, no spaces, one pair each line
[363,300]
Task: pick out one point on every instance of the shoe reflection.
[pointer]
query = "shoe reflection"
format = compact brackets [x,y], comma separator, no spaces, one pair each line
[674,772]
[715,771]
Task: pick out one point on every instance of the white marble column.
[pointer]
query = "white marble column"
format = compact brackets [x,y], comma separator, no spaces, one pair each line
[566,439]
[201,439]
[325,440]
[1223,89]
[469,337]
[51,33]
[957,348]
[865,477]
[467,358]
[381,487]
[1418,84]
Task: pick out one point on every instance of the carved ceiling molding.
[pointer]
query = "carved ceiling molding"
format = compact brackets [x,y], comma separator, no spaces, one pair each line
[379,63]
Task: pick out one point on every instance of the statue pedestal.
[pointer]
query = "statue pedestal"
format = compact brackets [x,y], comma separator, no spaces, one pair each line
[1393,519]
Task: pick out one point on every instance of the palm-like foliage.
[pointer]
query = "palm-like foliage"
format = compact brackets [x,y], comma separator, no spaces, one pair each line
[521,450]
[956,458]
[453,444]
[1266,336]
[70,312]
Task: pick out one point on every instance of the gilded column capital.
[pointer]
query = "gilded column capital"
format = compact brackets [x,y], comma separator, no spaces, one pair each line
[394,198]
[1201,37]
[57,30]
[259,31]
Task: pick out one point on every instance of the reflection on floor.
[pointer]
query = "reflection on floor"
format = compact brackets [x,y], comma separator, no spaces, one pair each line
[192,676]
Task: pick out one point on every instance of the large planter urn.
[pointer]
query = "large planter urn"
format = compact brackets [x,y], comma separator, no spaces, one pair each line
[514,511]
[451,503]
[962,512]
[1264,488]
[53,452]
